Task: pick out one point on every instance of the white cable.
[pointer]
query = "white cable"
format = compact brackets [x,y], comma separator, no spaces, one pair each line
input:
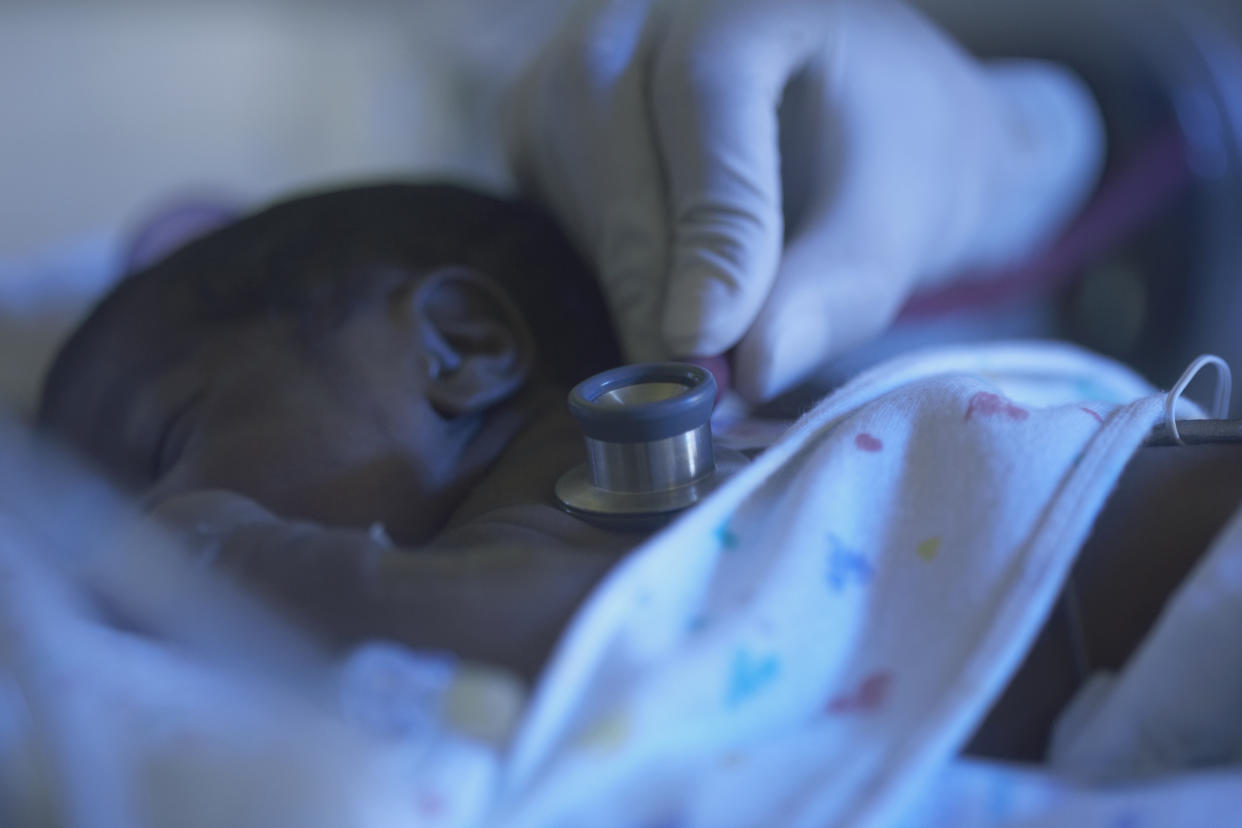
[1224,388]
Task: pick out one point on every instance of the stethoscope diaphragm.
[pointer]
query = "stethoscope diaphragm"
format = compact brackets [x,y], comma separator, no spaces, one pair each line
[649,445]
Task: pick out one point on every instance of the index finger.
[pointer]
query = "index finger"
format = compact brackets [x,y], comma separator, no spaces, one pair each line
[717,88]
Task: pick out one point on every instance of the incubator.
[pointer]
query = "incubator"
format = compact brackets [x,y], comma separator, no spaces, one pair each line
[1151,272]
[1149,275]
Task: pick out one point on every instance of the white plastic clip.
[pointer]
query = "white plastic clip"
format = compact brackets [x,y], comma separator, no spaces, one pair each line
[1224,388]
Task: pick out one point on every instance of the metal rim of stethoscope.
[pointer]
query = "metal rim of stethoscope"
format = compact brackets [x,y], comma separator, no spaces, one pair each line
[648,442]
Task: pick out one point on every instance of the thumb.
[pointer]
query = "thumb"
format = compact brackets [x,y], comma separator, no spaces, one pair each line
[822,304]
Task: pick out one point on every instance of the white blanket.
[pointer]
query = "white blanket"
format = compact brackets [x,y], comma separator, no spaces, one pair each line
[811,646]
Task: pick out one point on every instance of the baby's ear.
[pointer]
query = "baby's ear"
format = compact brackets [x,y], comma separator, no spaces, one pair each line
[478,349]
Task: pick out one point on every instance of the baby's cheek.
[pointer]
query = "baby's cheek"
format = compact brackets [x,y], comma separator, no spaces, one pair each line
[275,477]
[318,469]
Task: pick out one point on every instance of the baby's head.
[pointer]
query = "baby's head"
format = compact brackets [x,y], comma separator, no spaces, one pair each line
[348,357]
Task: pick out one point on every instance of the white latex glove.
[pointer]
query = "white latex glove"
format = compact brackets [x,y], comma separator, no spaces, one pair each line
[780,175]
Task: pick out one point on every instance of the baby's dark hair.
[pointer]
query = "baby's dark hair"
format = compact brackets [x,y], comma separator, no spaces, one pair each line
[314,259]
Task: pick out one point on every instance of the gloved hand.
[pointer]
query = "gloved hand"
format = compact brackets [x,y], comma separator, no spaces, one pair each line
[780,175]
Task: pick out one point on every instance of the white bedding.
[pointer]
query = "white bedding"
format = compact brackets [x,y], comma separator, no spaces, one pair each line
[809,647]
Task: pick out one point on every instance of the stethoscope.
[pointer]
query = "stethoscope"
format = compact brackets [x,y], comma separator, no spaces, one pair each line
[649,440]
[648,443]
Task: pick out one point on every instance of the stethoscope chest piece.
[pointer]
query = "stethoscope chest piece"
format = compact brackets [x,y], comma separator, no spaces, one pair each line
[649,445]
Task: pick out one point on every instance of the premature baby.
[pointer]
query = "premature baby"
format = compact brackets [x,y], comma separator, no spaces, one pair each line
[355,402]
[384,368]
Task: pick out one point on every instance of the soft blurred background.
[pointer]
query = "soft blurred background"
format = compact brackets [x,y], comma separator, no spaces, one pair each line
[112,111]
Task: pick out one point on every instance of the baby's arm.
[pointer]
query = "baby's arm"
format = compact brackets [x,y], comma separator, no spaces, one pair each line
[498,590]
